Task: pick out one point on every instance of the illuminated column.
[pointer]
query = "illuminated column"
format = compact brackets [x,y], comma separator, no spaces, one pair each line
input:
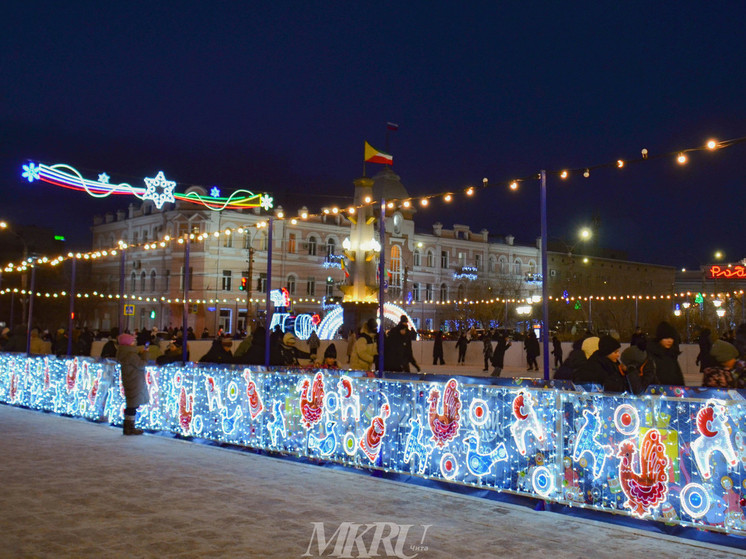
[361,248]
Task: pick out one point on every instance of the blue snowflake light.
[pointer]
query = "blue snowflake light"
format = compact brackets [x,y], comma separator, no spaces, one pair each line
[215,192]
[30,172]
[104,178]
[266,202]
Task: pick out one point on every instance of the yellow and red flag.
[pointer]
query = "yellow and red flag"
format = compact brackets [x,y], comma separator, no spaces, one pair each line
[372,155]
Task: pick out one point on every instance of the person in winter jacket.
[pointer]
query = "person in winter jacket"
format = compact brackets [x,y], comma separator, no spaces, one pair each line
[219,352]
[531,346]
[438,349]
[557,351]
[704,359]
[575,360]
[132,366]
[461,344]
[664,352]
[365,350]
[498,354]
[638,374]
[603,366]
[487,351]
[721,375]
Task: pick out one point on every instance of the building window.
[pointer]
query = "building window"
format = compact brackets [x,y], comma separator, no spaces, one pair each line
[428,292]
[462,259]
[331,246]
[493,264]
[291,243]
[430,259]
[416,258]
[133,277]
[168,280]
[443,292]
[311,286]
[396,270]
[227,280]
[444,259]
[517,267]
[261,284]
[262,241]
[460,292]
[503,265]
[291,285]
[312,246]
[152,280]
[329,288]
[142,281]
[228,241]
[246,240]
[478,261]
[415,291]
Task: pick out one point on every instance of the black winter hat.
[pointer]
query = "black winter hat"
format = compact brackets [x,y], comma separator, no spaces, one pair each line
[633,355]
[665,330]
[331,352]
[607,345]
[723,351]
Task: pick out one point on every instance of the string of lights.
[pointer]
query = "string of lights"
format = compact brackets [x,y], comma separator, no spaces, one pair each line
[681,157]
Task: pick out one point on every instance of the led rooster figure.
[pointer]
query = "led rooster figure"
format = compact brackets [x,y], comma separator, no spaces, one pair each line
[444,426]
[312,409]
[370,442]
[648,488]
[715,436]
[255,400]
[526,420]
[185,411]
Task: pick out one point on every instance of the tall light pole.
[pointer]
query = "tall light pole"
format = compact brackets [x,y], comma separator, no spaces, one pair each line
[4,226]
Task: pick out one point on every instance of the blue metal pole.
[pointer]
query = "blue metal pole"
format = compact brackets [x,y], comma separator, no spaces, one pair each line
[72,311]
[544,274]
[381,279]
[121,292]
[30,310]
[268,307]
[185,313]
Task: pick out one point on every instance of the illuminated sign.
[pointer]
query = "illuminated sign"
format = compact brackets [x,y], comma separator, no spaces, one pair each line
[158,188]
[731,272]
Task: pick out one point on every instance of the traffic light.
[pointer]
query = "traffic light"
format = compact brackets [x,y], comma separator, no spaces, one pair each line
[244,281]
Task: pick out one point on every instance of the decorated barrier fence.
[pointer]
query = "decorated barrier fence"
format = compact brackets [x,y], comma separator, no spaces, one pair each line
[673,455]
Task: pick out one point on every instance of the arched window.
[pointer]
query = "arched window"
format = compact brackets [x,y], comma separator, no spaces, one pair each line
[228,240]
[396,270]
[291,285]
[460,292]
[416,257]
[503,265]
[246,239]
[262,241]
[443,292]
[517,267]
[152,280]
[133,277]
[331,246]
[134,237]
[142,281]
[430,259]
[493,264]
[532,267]
[312,246]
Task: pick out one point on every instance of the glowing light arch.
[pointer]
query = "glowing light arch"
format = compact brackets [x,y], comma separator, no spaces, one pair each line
[335,318]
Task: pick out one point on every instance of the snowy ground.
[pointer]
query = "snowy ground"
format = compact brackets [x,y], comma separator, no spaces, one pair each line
[72,488]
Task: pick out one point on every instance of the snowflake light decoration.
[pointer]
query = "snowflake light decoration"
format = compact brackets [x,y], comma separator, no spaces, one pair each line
[30,172]
[266,202]
[166,187]
[215,192]
[104,178]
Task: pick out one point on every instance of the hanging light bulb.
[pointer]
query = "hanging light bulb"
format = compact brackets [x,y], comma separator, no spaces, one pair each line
[712,144]
[470,191]
[587,173]
[447,197]
[424,202]
[620,163]
[681,159]
[644,153]
[514,185]
[564,174]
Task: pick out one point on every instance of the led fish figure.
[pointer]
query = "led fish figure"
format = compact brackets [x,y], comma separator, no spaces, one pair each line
[370,442]
[444,426]
[526,421]
[348,400]
[587,443]
[255,400]
[277,425]
[228,423]
[480,464]
[72,374]
[185,411]
[647,488]
[712,423]
[312,409]
[417,444]
[328,444]
[214,399]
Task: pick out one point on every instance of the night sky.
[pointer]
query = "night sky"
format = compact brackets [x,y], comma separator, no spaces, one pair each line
[280,96]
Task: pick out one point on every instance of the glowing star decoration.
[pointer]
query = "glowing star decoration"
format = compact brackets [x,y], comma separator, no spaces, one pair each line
[646,488]
[695,500]
[417,445]
[266,202]
[214,400]
[526,421]
[444,423]
[31,172]
[328,444]
[312,408]
[255,400]
[587,443]
[478,463]
[103,178]
[215,192]
[349,402]
[159,190]
[715,437]
[370,442]
[277,425]
[228,422]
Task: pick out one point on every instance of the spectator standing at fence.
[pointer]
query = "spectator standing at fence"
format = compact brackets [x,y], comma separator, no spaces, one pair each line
[438,348]
[132,365]
[531,346]
[461,344]
[487,349]
[313,345]
[639,339]
[664,351]
[720,375]
[498,354]
[365,350]
[704,359]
